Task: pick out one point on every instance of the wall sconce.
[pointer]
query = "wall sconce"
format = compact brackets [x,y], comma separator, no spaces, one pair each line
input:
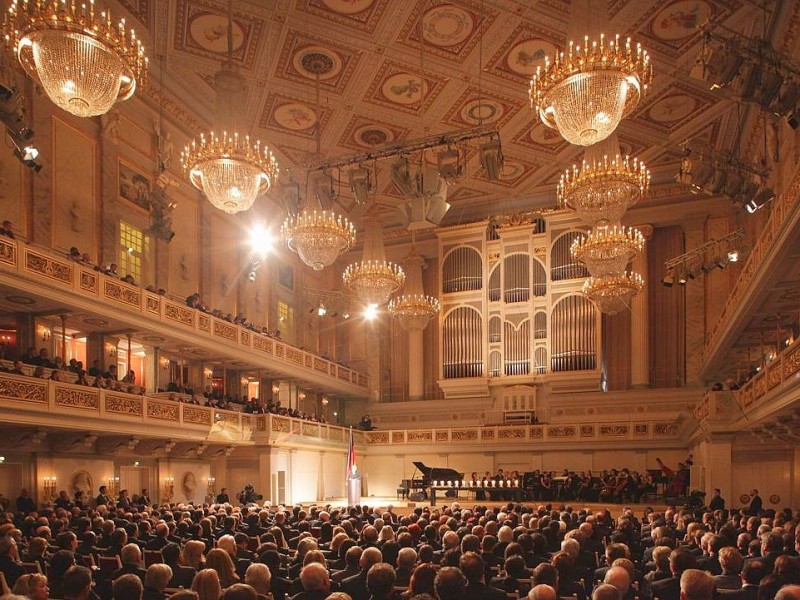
[208,373]
[324,401]
[49,488]
[210,483]
[169,488]
[275,389]
[244,381]
[112,483]
[163,362]
[46,334]
[111,350]
[302,395]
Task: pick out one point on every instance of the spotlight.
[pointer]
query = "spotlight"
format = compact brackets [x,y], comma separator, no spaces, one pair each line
[251,276]
[370,312]
[320,185]
[361,184]
[682,278]
[345,315]
[707,267]
[721,262]
[261,240]
[401,177]
[668,281]
[771,84]
[693,273]
[723,67]
[450,166]
[733,256]
[321,309]
[491,157]
[763,197]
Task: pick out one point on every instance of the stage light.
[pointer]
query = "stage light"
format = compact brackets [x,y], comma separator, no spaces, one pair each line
[251,276]
[491,158]
[708,266]
[669,280]
[721,262]
[682,278]
[261,240]
[361,184]
[763,197]
[450,165]
[733,256]
[321,309]
[401,177]
[370,312]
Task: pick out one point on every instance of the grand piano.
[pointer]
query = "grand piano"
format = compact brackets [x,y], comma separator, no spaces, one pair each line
[421,484]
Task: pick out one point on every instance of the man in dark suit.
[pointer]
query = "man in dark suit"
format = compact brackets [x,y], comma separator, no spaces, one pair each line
[450,584]
[160,540]
[131,557]
[697,585]
[182,576]
[406,559]
[103,497]
[380,582]
[127,587]
[710,562]
[756,504]
[716,502]
[315,581]
[731,562]
[670,589]
[474,570]
[752,573]
[771,549]
[25,503]
[356,585]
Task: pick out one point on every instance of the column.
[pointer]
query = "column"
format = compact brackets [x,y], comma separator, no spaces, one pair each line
[284,394]
[640,319]
[263,484]
[26,333]
[719,472]
[795,495]
[416,387]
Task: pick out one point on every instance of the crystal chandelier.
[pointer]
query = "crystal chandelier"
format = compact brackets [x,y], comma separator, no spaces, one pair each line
[602,190]
[585,92]
[318,236]
[231,170]
[607,250]
[612,293]
[414,309]
[374,279]
[83,61]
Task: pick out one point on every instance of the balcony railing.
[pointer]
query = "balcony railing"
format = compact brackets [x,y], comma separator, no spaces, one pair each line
[82,280]
[783,207]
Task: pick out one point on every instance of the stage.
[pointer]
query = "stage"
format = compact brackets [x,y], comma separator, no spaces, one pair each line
[406,506]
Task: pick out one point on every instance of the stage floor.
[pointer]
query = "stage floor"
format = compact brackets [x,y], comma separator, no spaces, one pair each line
[405,506]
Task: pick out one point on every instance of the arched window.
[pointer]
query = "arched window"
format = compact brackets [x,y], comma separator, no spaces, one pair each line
[516,278]
[516,346]
[462,335]
[494,329]
[462,270]
[573,335]
[494,363]
[562,265]
[494,284]
[539,279]
[540,326]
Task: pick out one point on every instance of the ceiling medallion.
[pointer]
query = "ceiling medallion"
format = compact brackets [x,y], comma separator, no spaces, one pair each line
[83,60]
[23,300]
[585,92]
[317,63]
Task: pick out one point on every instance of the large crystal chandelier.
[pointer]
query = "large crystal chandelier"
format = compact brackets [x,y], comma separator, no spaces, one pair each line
[83,61]
[318,236]
[612,293]
[414,309]
[601,190]
[607,249]
[585,92]
[230,169]
[373,279]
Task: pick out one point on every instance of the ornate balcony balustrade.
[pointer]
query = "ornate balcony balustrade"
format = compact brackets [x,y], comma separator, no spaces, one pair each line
[51,271]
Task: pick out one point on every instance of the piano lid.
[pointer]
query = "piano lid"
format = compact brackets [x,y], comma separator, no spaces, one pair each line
[438,472]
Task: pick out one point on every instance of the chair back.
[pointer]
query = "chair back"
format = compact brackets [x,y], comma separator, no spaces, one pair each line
[32,567]
[152,557]
[109,564]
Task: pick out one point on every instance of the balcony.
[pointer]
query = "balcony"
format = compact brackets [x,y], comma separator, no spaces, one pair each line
[41,272]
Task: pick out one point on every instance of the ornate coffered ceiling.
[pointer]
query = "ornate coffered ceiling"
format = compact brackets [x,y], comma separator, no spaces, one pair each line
[364,73]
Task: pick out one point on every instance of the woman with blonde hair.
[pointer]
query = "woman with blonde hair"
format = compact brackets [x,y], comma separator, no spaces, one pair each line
[221,562]
[337,540]
[259,578]
[280,540]
[227,543]
[206,584]
[192,555]
[33,586]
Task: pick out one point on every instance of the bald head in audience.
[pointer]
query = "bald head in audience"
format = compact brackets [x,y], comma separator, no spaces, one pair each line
[788,592]
[314,578]
[542,592]
[605,591]
[619,578]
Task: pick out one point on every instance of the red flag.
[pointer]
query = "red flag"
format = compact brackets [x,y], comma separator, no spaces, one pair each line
[351,456]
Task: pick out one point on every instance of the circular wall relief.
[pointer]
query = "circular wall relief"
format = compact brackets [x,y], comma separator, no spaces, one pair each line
[447,25]
[525,56]
[81,481]
[295,116]
[210,32]
[744,499]
[348,7]
[316,61]
[681,19]
[403,88]
[370,136]
[482,111]
[17,299]
[672,108]
[774,499]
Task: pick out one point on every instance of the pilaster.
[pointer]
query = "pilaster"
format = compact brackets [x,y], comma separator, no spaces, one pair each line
[640,320]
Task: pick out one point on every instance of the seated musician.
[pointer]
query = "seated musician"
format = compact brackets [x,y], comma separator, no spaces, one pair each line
[479,494]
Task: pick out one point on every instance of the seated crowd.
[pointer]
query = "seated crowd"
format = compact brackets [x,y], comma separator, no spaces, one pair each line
[139,551]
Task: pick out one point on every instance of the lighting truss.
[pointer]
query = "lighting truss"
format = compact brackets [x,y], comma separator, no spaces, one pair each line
[716,253]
